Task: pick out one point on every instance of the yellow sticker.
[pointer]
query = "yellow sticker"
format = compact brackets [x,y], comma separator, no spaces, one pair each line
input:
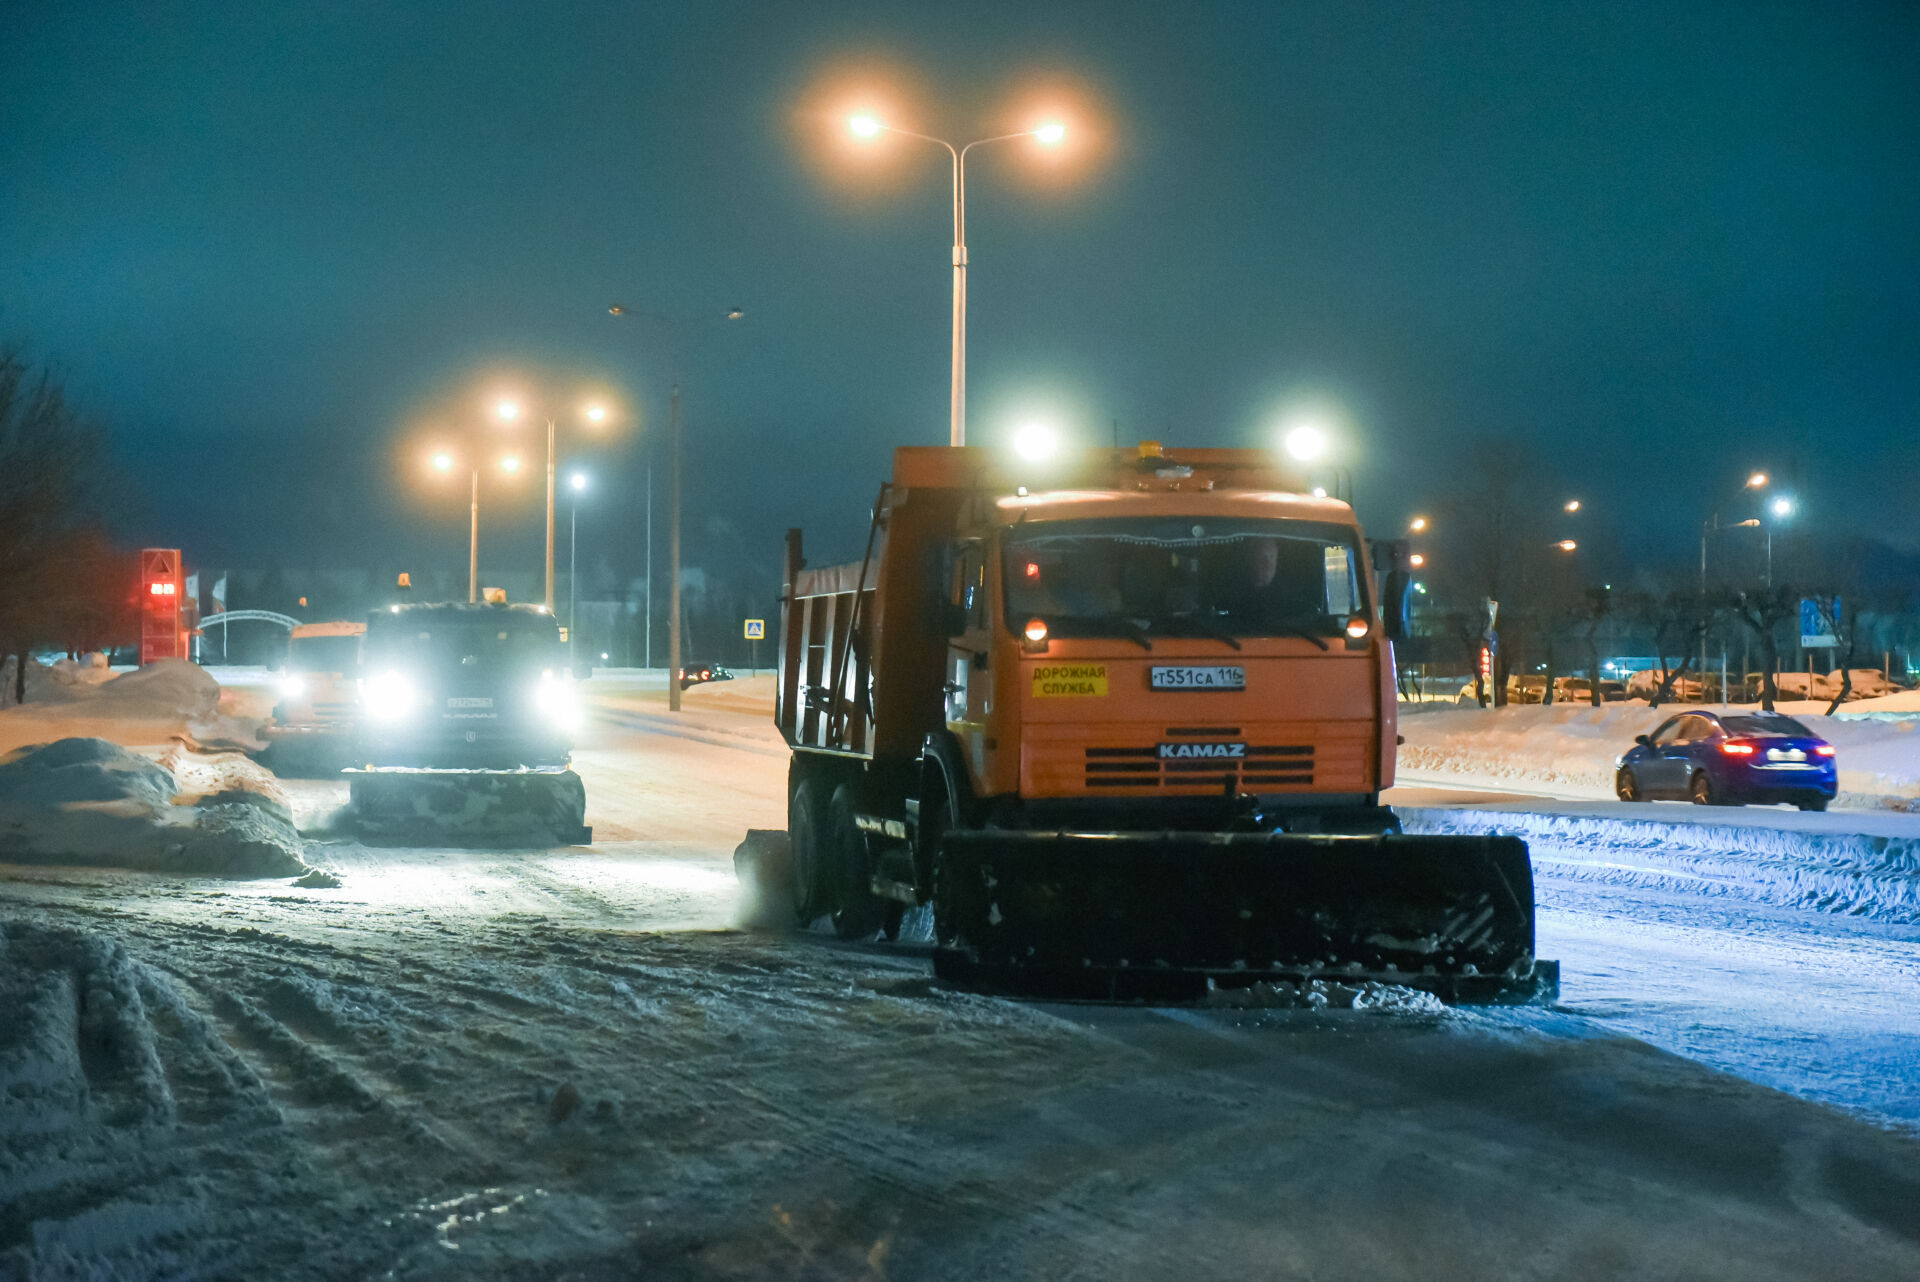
[1070,679]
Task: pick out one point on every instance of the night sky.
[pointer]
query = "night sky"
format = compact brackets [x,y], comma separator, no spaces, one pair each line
[273,245]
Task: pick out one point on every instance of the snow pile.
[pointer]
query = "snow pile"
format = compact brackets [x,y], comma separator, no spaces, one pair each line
[87,801]
[1859,874]
[1322,994]
[147,705]
[1573,748]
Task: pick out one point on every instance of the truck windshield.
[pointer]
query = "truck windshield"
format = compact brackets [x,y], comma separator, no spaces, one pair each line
[1183,576]
[324,654]
[473,645]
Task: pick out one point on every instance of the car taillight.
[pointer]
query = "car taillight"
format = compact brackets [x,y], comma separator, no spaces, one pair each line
[1737,748]
[1823,750]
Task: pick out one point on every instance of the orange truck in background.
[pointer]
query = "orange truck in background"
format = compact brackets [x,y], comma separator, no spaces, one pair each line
[1123,718]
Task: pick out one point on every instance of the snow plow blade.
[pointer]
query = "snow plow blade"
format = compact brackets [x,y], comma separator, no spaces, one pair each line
[1162,916]
[526,808]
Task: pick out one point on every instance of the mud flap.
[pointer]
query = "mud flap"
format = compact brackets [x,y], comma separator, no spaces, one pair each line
[468,807]
[1161,914]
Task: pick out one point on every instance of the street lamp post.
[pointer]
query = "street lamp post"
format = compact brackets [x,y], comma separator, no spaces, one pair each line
[443,462]
[674,327]
[578,483]
[868,127]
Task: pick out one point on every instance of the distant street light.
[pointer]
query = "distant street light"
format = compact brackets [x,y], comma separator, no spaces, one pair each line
[1049,134]
[1781,507]
[1758,481]
[1572,505]
[1417,559]
[675,327]
[1567,545]
[443,461]
[1418,525]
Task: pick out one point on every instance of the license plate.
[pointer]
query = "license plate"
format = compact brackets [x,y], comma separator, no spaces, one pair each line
[1212,677]
[469,703]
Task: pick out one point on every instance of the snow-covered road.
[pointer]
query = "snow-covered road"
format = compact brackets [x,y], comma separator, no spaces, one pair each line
[566,1063]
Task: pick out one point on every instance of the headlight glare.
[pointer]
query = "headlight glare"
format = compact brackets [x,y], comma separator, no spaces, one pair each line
[388,696]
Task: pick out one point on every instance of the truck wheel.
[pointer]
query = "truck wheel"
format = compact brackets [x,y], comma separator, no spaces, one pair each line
[857,912]
[807,838]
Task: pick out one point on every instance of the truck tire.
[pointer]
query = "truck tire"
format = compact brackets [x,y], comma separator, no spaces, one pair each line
[858,913]
[807,840]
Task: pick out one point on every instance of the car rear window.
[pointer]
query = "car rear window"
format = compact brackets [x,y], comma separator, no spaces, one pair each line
[1763,723]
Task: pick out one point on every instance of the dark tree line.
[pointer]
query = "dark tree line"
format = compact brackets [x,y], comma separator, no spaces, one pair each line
[1498,537]
[63,584]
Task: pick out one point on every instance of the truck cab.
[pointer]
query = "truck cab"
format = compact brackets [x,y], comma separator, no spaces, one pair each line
[1168,654]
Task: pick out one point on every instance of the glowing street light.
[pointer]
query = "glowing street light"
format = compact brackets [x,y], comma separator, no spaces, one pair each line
[1417,560]
[596,413]
[443,461]
[1418,525]
[1758,481]
[1567,545]
[1571,505]
[1051,133]
[1781,507]
[1036,441]
[507,410]
[1306,442]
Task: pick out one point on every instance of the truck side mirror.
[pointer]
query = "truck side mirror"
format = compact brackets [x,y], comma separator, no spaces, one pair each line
[954,617]
[1393,605]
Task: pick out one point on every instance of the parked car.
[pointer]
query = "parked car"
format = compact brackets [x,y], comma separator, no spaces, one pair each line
[1580,690]
[694,674]
[1731,759]
[1644,683]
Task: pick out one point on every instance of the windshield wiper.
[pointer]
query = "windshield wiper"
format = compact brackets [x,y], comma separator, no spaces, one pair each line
[1127,627]
[1206,627]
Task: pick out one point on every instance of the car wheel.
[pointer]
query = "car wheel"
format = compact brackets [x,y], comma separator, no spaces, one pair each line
[1624,785]
[1814,804]
[1700,790]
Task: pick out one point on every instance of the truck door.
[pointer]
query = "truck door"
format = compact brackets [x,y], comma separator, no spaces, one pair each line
[969,687]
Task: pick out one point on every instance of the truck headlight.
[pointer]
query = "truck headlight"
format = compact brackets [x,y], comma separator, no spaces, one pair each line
[389,696]
[555,699]
[293,685]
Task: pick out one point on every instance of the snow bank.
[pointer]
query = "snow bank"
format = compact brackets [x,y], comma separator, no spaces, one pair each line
[147,705]
[1854,873]
[1573,748]
[88,801]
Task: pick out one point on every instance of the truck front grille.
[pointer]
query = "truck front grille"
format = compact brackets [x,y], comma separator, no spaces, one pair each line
[1263,768]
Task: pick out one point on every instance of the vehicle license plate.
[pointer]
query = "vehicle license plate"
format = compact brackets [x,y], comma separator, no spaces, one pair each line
[1207,678]
[469,703]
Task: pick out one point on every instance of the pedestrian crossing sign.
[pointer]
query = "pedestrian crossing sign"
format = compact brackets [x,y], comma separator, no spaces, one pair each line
[756,629]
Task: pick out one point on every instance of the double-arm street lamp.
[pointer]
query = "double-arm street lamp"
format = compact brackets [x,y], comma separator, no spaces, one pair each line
[866,126]
[443,462]
[593,412]
[675,327]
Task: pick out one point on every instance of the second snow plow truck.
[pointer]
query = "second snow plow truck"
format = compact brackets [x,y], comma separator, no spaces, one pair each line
[466,729]
[1123,720]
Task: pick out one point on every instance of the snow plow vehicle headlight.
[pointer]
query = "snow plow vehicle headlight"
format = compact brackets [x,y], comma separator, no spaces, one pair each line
[555,699]
[293,685]
[389,696]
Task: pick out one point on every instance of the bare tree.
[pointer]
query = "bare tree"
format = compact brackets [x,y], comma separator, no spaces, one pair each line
[48,468]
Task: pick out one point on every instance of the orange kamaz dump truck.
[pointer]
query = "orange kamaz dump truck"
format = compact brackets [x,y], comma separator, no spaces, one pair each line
[1123,719]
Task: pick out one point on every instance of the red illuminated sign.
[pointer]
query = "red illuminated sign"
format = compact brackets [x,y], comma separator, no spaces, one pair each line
[162,635]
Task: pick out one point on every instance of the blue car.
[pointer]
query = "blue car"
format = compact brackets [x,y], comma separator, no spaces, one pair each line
[1729,760]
